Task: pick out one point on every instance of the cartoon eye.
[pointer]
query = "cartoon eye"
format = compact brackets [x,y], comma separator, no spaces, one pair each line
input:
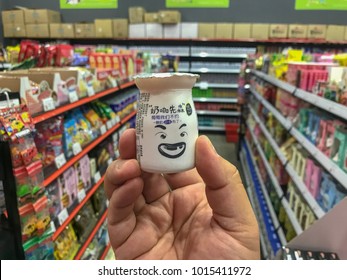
[183,134]
[162,135]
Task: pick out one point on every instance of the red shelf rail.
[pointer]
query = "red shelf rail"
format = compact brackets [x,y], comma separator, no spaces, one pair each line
[91,236]
[67,107]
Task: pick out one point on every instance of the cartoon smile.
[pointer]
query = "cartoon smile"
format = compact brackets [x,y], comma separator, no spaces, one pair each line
[172,150]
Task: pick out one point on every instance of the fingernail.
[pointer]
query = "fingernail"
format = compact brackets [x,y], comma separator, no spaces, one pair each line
[119,164]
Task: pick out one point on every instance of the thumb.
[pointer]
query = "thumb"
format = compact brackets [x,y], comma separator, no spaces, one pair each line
[225,192]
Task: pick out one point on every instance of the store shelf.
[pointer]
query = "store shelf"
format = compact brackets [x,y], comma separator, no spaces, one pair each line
[261,206]
[218,55]
[126,85]
[206,85]
[85,150]
[276,82]
[215,100]
[218,113]
[317,210]
[263,246]
[211,70]
[91,236]
[74,212]
[273,215]
[275,183]
[70,106]
[334,170]
[212,128]
[323,103]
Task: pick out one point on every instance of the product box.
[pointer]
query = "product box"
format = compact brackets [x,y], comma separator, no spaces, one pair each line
[335,33]
[62,30]
[85,30]
[120,28]
[316,31]
[136,14]
[12,16]
[207,30]
[151,17]
[41,16]
[298,31]
[103,28]
[14,30]
[189,30]
[260,31]
[154,30]
[16,84]
[242,30]
[172,31]
[278,31]
[71,78]
[224,30]
[137,30]
[169,16]
[50,86]
[39,30]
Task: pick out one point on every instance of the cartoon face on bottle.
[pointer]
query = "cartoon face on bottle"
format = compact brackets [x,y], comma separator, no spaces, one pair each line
[168,146]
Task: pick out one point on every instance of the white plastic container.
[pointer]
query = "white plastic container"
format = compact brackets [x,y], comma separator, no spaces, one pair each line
[166,122]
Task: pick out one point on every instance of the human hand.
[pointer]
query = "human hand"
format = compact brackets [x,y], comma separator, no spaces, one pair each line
[203,213]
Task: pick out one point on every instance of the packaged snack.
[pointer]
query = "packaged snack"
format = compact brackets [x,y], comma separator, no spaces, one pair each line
[28,221]
[66,245]
[82,168]
[84,222]
[53,195]
[41,207]
[49,139]
[69,188]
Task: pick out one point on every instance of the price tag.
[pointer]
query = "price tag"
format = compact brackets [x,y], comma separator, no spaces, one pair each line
[76,148]
[107,202]
[109,161]
[117,119]
[62,216]
[203,85]
[109,124]
[90,91]
[73,97]
[97,177]
[113,121]
[81,195]
[103,129]
[48,104]
[53,226]
[60,160]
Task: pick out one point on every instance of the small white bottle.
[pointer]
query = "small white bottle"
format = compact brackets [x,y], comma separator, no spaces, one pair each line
[166,122]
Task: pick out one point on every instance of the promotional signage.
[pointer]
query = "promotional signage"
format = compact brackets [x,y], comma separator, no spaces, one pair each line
[88,4]
[321,5]
[197,4]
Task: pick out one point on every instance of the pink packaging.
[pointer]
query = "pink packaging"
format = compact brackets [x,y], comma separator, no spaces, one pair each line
[68,190]
[314,184]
